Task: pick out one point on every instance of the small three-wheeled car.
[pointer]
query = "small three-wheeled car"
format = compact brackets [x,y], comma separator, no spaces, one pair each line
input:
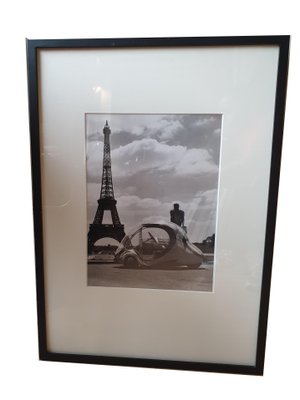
[158,245]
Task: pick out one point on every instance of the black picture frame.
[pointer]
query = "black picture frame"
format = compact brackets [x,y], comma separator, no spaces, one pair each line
[33,48]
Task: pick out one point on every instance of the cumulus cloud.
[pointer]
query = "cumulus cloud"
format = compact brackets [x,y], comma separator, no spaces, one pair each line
[206,120]
[163,129]
[148,154]
[189,130]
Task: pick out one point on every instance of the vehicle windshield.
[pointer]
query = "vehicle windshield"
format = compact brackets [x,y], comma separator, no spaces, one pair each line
[147,240]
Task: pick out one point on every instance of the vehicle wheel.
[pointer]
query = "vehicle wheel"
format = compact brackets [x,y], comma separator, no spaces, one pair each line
[193,266]
[131,262]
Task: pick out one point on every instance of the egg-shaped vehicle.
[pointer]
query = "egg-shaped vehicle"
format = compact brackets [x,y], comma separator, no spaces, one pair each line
[158,245]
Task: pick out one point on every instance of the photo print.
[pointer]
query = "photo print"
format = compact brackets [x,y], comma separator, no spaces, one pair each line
[152,191]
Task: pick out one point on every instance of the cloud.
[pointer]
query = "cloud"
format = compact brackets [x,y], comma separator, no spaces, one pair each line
[149,169]
[94,155]
[217,132]
[162,129]
[203,203]
[189,130]
[146,154]
[135,201]
[200,214]
[206,120]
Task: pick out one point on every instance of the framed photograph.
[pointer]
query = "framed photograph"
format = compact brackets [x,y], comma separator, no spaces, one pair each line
[155,172]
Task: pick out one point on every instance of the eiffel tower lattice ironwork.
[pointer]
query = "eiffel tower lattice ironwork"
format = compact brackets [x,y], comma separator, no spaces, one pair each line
[107,201]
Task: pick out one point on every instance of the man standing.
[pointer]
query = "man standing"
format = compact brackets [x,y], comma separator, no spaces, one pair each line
[177,216]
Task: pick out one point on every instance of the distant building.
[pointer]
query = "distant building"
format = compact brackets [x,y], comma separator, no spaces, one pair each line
[207,246]
[210,240]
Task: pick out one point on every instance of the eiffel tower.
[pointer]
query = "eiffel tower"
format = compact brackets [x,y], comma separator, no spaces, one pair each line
[97,229]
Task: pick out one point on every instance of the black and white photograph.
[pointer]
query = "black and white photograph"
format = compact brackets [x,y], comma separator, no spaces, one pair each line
[152,192]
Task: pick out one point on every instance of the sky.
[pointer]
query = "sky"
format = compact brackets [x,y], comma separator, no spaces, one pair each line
[157,160]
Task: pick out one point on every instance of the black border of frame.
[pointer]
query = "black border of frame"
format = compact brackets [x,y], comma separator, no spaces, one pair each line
[33,94]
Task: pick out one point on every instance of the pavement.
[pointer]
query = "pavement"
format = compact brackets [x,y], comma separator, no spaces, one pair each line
[172,278]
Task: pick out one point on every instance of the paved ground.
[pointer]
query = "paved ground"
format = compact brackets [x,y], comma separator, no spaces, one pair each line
[178,278]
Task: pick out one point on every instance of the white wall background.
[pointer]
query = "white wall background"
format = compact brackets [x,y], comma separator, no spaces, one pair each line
[22,374]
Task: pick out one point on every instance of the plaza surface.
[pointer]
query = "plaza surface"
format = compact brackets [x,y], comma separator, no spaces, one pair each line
[172,278]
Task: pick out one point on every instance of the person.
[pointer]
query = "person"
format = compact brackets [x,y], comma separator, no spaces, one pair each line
[177,215]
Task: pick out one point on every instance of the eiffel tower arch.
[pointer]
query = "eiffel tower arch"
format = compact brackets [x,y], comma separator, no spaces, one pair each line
[107,201]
